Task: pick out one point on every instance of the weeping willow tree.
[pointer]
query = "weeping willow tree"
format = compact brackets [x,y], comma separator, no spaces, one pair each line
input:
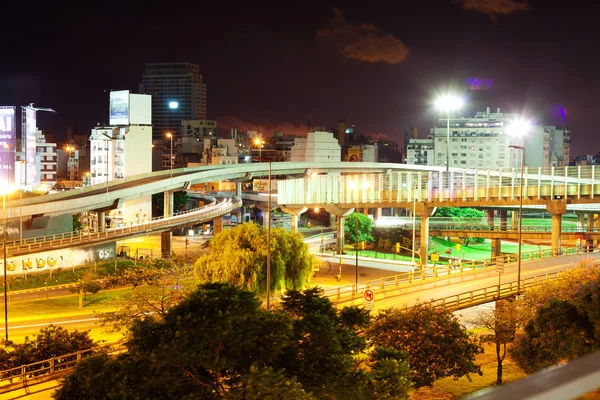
[239,256]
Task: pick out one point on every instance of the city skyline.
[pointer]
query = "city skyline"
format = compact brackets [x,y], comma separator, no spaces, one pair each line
[269,68]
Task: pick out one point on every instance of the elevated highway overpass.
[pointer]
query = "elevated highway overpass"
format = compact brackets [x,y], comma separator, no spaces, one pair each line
[344,187]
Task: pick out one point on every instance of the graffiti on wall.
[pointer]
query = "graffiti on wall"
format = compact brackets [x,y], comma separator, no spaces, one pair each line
[64,258]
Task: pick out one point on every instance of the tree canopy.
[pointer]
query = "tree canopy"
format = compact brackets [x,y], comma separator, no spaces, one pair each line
[438,345]
[52,341]
[239,256]
[365,227]
[221,343]
[561,330]
[180,201]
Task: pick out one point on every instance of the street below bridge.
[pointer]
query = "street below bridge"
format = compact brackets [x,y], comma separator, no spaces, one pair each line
[326,277]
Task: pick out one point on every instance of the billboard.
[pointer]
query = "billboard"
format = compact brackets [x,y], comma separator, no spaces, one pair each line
[119,108]
[7,145]
[59,259]
[31,177]
[140,109]
[354,154]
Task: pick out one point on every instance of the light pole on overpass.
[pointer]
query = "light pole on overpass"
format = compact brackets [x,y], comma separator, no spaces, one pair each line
[519,128]
[170,136]
[448,103]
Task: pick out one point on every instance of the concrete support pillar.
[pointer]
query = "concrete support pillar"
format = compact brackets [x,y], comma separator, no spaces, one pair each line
[238,189]
[101,221]
[217,225]
[296,212]
[424,212]
[165,244]
[366,211]
[503,219]
[340,233]
[513,220]
[496,247]
[490,218]
[590,228]
[168,204]
[377,213]
[557,208]
[580,221]
[341,214]
[596,221]
[238,216]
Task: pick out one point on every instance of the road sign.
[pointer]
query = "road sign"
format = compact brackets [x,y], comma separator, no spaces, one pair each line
[369,299]
[500,265]
[435,257]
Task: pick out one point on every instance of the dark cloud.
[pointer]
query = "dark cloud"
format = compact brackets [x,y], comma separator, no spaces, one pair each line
[363,42]
[227,122]
[495,8]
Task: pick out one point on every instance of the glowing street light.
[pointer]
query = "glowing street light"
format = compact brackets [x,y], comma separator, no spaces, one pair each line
[519,128]
[258,142]
[448,103]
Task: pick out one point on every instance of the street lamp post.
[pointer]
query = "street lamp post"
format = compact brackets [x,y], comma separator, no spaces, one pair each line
[170,136]
[448,103]
[269,244]
[520,217]
[356,241]
[4,237]
[519,128]
[22,162]
[70,149]
[356,188]
[414,222]
[259,143]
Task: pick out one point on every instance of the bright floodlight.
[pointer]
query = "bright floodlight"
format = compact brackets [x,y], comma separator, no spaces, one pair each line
[8,189]
[173,104]
[519,127]
[449,102]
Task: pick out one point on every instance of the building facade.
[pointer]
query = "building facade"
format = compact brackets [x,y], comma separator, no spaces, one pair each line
[46,159]
[178,94]
[485,141]
[420,151]
[121,151]
[316,146]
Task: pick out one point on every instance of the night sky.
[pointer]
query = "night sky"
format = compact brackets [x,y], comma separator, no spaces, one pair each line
[267,66]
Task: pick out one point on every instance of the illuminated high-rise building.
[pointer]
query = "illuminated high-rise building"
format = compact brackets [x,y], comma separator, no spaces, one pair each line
[178,93]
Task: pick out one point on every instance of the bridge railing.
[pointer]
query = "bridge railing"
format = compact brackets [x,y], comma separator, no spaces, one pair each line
[51,241]
[349,293]
[490,293]
[441,186]
[24,375]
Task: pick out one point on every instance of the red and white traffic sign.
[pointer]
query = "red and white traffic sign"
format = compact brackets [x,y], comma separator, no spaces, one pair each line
[369,299]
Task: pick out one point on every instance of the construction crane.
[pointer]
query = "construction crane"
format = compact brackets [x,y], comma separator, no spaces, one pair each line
[30,106]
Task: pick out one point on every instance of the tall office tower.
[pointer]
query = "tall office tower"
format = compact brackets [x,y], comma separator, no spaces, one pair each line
[178,94]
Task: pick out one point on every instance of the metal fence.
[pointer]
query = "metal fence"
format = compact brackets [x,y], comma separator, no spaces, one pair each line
[53,368]
[67,239]
[348,294]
